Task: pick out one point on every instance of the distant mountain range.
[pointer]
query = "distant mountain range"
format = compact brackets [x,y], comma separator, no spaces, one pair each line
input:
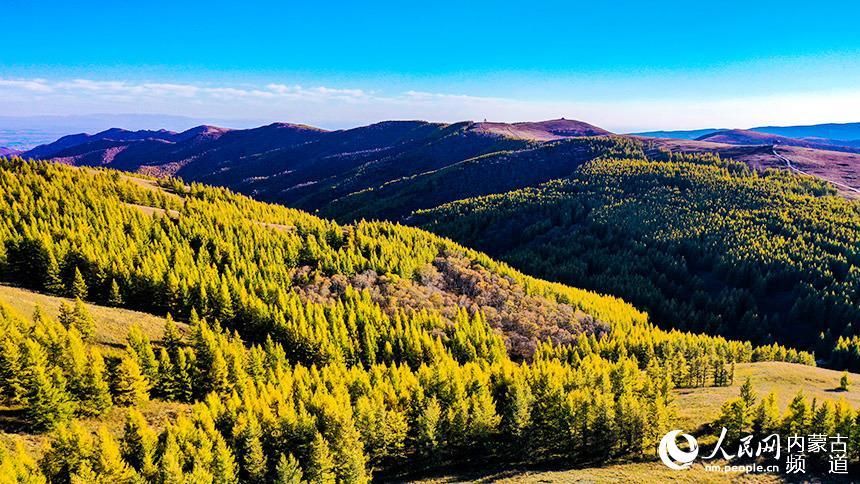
[392,168]
[753,137]
[25,132]
[832,135]
[304,166]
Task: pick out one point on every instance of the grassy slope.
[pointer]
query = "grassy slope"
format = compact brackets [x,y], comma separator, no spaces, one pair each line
[786,379]
[697,405]
[112,325]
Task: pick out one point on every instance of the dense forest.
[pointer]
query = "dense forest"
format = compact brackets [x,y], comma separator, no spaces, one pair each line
[702,244]
[316,351]
[482,175]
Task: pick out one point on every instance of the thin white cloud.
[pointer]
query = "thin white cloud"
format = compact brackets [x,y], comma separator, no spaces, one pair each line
[32,85]
[339,107]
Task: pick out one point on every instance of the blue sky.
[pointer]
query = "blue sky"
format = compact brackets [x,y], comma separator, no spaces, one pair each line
[626,66]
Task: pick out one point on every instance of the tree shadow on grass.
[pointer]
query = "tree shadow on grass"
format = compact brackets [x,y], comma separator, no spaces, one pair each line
[13,420]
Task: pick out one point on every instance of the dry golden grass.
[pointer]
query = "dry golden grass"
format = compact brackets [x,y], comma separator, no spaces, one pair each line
[152,211]
[699,405]
[112,324]
[639,472]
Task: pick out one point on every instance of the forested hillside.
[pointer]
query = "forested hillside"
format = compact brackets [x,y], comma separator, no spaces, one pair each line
[492,173]
[315,350]
[702,244]
[298,165]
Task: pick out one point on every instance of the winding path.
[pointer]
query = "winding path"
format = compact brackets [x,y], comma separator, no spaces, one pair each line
[797,170]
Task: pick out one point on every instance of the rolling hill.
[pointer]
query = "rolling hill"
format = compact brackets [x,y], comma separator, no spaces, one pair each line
[482,175]
[839,167]
[303,166]
[701,243]
[831,131]
[312,349]
[694,406]
[751,137]
[846,133]
[359,172]
[542,130]
[689,134]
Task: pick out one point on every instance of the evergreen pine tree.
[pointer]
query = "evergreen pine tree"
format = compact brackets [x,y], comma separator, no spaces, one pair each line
[115,298]
[748,395]
[288,470]
[48,402]
[165,381]
[129,385]
[766,416]
[95,397]
[320,466]
[141,348]
[108,460]
[798,417]
[82,320]
[427,428]
[172,338]
[224,303]
[11,370]
[71,448]
[78,287]
[170,464]
[66,315]
[251,455]
[184,375]
[223,463]
[138,444]
[733,417]
[53,280]
[844,382]
[85,475]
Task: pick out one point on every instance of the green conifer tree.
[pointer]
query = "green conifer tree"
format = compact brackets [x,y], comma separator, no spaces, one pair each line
[95,390]
[252,458]
[82,320]
[288,470]
[844,382]
[108,463]
[766,417]
[223,463]
[320,466]
[129,385]
[138,444]
[78,286]
[115,298]
[48,403]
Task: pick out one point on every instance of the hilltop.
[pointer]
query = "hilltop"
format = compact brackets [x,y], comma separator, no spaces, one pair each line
[542,130]
[750,137]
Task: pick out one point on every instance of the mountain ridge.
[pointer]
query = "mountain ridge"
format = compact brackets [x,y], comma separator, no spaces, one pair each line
[312,168]
[753,137]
